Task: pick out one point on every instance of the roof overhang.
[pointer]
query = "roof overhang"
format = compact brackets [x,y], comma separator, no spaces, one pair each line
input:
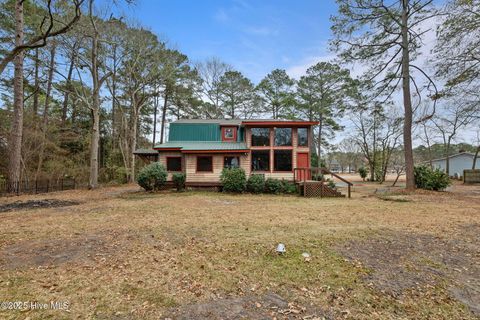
[217,151]
[251,123]
[167,149]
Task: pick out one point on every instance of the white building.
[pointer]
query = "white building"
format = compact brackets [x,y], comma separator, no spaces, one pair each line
[458,163]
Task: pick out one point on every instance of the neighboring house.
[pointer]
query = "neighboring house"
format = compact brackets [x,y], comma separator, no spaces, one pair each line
[202,148]
[457,163]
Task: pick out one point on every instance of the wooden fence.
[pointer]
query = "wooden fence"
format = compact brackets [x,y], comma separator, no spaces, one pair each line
[36,186]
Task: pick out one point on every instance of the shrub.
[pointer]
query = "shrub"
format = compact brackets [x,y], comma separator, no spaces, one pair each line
[429,179]
[179,179]
[256,183]
[233,180]
[363,172]
[288,187]
[152,177]
[331,184]
[274,186]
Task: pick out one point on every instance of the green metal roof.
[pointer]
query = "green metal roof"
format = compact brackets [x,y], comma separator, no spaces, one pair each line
[145,152]
[194,132]
[202,145]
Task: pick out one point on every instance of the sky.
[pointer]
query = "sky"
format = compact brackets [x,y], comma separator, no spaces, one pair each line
[254,37]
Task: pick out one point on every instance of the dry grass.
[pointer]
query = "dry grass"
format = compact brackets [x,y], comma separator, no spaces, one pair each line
[128,254]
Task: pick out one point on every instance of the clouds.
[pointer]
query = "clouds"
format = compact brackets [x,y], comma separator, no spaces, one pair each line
[221,16]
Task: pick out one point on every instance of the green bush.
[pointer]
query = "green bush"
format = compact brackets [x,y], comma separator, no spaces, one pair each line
[152,177]
[274,186]
[289,187]
[179,179]
[429,179]
[363,172]
[331,183]
[233,180]
[256,183]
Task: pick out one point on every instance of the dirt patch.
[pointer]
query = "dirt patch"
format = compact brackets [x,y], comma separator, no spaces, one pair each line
[36,204]
[54,252]
[409,261]
[268,306]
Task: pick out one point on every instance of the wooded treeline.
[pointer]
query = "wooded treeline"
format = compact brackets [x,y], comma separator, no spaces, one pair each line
[81,89]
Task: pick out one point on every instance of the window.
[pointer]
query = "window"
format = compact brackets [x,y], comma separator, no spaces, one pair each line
[282,160]
[231,162]
[174,163]
[302,134]
[260,160]
[229,134]
[204,164]
[283,136]
[260,137]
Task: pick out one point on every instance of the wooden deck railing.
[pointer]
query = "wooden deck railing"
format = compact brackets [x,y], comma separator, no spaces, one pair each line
[309,173]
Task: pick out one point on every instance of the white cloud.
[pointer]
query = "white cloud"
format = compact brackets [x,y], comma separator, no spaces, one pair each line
[297,70]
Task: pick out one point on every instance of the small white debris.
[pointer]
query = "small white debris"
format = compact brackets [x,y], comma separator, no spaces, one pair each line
[306,257]
[281,248]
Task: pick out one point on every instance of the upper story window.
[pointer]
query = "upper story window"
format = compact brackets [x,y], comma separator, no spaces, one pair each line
[229,134]
[260,137]
[283,136]
[302,134]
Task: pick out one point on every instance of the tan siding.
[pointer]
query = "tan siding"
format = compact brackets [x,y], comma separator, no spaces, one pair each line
[163,160]
[217,161]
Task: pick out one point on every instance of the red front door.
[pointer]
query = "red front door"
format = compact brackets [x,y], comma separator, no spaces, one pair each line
[303,162]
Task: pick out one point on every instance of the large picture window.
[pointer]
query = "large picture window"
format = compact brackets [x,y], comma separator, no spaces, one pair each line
[260,137]
[302,134]
[283,136]
[174,163]
[260,160]
[231,162]
[204,164]
[282,160]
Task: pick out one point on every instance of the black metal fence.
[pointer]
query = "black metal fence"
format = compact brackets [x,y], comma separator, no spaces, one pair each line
[36,186]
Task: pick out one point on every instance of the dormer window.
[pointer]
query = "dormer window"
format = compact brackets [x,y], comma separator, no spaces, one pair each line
[229,134]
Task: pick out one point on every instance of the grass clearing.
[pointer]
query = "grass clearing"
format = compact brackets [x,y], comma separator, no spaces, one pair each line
[129,254]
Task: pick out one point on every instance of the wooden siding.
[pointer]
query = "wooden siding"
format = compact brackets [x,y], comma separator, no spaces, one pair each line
[163,160]
[217,162]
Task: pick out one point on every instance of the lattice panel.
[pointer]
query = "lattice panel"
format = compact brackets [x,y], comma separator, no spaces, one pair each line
[317,189]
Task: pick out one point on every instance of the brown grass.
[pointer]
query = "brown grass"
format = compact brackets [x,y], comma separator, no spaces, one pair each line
[125,253]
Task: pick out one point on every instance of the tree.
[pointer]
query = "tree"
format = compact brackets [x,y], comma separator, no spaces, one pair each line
[387,37]
[237,95]
[51,25]
[276,92]
[15,142]
[323,94]
[449,121]
[211,71]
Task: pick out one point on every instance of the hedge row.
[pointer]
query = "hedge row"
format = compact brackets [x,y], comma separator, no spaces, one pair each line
[235,180]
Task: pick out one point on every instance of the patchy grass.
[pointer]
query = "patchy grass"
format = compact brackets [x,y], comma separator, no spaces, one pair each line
[132,255]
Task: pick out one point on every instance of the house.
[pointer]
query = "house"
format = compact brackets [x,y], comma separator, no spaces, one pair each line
[457,163]
[202,148]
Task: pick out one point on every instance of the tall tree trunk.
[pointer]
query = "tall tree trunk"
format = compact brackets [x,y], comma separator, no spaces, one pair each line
[475,157]
[93,180]
[164,114]
[68,85]
[155,111]
[15,143]
[114,95]
[46,110]
[319,146]
[133,130]
[407,101]
[36,84]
